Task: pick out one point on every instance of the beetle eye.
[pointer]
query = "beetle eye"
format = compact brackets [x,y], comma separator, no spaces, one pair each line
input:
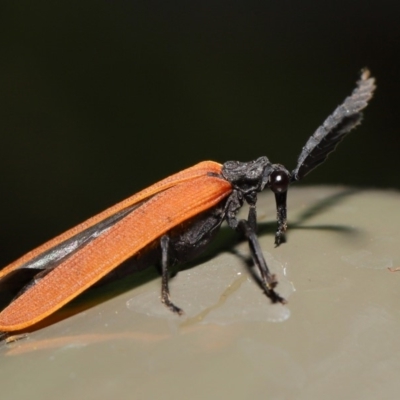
[278,181]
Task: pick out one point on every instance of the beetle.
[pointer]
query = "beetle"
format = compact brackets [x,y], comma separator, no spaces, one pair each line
[171,222]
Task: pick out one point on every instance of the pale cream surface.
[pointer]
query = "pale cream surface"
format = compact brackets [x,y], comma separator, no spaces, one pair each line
[338,336]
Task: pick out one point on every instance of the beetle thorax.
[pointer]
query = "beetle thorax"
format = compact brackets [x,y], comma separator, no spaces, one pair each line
[253,176]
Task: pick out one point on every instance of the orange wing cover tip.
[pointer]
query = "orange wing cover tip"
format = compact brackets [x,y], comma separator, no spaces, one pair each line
[175,199]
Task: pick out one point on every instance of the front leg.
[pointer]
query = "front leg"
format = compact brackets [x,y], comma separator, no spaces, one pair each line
[268,280]
[165,296]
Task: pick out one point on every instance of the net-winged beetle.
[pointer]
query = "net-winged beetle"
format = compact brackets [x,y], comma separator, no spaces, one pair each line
[171,221]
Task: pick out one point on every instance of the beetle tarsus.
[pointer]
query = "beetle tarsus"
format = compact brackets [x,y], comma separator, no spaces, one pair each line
[275,297]
[165,299]
[280,237]
[269,286]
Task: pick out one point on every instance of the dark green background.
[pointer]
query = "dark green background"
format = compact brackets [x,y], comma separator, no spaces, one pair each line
[102,98]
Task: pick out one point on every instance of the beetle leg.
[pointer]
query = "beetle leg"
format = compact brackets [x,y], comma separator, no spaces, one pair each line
[165,296]
[268,280]
[252,218]
[251,200]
